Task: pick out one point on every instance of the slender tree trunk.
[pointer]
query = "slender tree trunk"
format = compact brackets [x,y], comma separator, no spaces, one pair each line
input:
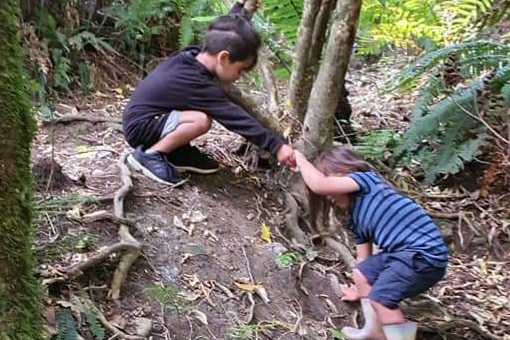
[19,302]
[314,55]
[324,97]
[300,67]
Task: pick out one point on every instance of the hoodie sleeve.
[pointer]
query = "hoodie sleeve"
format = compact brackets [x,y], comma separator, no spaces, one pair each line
[211,99]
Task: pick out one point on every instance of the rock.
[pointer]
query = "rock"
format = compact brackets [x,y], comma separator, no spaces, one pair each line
[197,216]
[97,173]
[143,326]
[66,109]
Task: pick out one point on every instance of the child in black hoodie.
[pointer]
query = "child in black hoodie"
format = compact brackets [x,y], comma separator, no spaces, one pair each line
[177,101]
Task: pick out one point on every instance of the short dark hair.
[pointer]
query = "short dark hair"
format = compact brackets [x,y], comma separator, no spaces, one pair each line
[234,34]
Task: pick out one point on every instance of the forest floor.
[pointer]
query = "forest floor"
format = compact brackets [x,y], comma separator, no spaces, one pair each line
[207,270]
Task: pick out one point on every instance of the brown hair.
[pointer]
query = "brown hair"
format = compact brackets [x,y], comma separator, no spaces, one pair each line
[340,160]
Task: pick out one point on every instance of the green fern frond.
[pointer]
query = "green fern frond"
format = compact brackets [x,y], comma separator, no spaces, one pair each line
[285,16]
[427,96]
[94,326]
[413,72]
[376,144]
[454,153]
[423,127]
[66,325]
[505,92]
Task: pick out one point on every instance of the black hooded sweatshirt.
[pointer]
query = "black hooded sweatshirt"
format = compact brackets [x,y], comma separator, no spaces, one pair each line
[181,82]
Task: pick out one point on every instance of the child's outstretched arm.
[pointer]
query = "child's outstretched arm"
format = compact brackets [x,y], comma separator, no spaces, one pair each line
[321,184]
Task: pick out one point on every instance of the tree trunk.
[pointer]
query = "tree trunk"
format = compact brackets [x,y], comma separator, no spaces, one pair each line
[314,56]
[324,98]
[300,67]
[19,302]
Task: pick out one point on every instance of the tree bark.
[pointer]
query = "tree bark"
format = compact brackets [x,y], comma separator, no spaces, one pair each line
[314,56]
[300,67]
[324,98]
[19,298]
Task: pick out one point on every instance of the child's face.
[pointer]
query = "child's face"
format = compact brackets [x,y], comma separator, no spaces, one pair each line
[228,71]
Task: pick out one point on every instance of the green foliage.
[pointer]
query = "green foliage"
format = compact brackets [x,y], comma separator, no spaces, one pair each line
[249,332]
[418,24]
[66,325]
[168,297]
[398,23]
[285,16]
[194,16]
[446,129]
[95,328]
[137,21]
[66,51]
[377,144]
[287,260]
[336,334]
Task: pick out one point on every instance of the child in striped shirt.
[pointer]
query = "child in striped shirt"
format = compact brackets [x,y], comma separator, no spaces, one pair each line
[413,255]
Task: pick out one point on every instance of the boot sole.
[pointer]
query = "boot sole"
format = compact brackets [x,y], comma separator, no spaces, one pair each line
[146,172]
[196,170]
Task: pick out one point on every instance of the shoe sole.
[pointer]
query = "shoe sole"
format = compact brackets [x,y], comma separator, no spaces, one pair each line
[196,170]
[146,172]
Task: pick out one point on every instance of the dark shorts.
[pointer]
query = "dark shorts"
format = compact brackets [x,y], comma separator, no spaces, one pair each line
[398,276]
[151,130]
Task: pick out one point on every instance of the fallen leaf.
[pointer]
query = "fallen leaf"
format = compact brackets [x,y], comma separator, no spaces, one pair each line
[247,286]
[200,316]
[266,233]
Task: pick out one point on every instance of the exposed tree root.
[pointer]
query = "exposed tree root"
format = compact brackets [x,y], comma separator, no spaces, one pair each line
[341,249]
[132,253]
[292,220]
[130,247]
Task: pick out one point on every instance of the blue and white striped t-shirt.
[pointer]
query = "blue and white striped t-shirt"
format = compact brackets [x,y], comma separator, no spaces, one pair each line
[392,221]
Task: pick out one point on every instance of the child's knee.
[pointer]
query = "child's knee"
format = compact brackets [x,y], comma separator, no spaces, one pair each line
[203,121]
[359,279]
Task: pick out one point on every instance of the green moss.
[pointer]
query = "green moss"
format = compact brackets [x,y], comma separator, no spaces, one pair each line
[19,292]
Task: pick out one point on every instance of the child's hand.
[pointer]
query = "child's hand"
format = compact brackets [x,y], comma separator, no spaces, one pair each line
[286,156]
[350,293]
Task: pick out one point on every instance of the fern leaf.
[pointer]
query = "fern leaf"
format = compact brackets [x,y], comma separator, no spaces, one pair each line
[428,125]
[410,74]
[505,92]
[66,325]
[94,326]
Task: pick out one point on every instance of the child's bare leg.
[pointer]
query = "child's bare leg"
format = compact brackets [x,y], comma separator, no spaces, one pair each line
[191,125]
[372,330]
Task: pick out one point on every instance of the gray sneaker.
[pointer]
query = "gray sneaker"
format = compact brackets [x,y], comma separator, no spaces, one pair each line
[154,166]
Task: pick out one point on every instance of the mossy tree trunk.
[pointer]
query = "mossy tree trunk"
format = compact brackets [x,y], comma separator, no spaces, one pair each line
[19,299]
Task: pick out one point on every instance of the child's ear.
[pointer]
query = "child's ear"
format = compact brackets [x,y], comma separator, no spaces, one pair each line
[223,57]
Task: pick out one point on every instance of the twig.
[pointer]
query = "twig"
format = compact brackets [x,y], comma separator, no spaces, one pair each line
[478,118]
[252,307]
